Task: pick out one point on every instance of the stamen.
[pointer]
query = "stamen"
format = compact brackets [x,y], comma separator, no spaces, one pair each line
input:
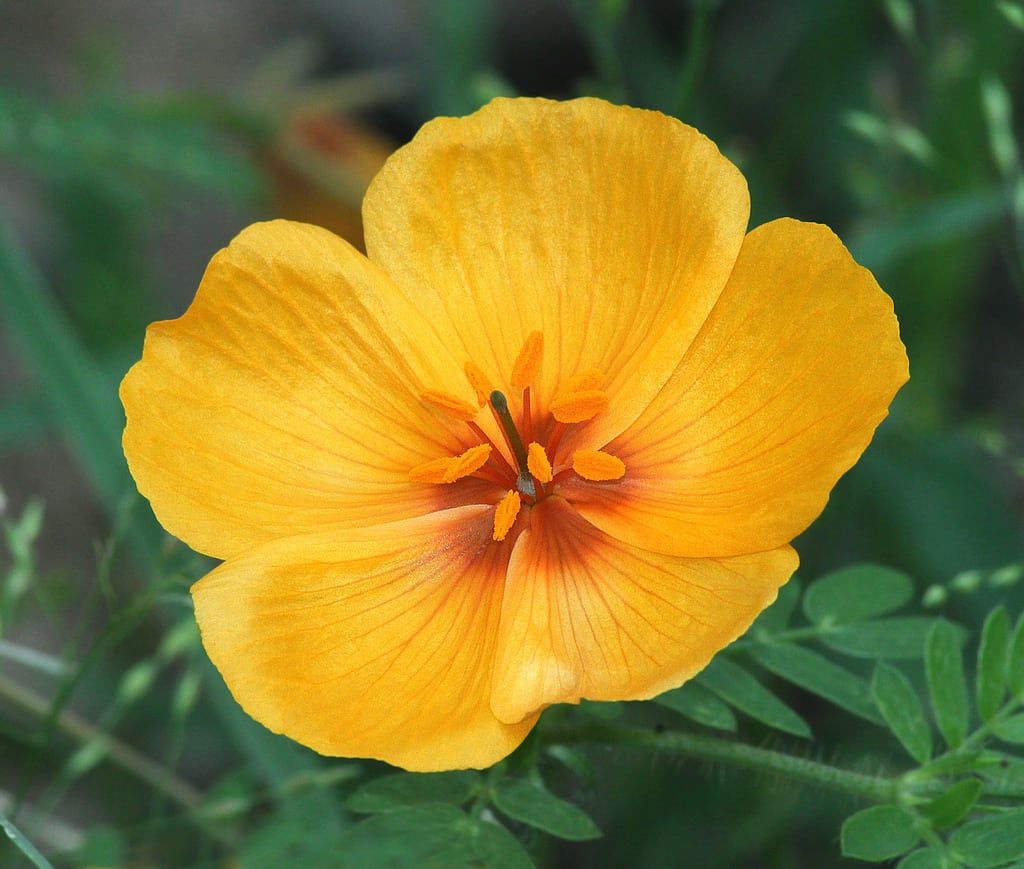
[470,461]
[449,404]
[555,439]
[478,380]
[524,482]
[499,459]
[579,406]
[597,466]
[505,514]
[537,462]
[527,364]
[431,472]
[527,415]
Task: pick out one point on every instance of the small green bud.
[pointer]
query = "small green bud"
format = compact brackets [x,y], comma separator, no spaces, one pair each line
[967,581]
[1008,575]
[934,596]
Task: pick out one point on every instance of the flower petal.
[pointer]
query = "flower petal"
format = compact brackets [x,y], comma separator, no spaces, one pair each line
[585,616]
[608,229]
[777,398]
[377,642]
[287,397]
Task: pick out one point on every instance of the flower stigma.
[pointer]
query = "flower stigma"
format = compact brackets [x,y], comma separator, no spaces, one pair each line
[527,464]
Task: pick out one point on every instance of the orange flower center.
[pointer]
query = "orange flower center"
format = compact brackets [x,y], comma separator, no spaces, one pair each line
[526,459]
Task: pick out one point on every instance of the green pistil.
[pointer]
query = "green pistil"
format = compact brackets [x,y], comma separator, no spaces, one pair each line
[524,482]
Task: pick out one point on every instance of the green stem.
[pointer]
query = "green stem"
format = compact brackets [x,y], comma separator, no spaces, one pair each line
[696,50]
[876,789]
[123,755]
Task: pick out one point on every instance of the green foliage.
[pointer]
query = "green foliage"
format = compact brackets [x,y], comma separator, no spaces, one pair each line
[898,703]
[945,669]
[532,804]
[697,703]
[856,594]
[740,689]
[23,844]
[879,833]
[391,792]
[991,841]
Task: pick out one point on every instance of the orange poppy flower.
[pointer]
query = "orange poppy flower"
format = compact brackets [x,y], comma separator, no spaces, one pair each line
[550,441]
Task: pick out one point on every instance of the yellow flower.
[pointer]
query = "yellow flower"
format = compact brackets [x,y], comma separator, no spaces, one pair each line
[549,441]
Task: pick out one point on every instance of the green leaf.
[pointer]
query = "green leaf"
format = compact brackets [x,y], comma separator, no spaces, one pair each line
[531,804]
[856,594]
[736,686]
[424,836]
[776,618]
[818,675]
[990,841]
[992,657]
[897,638]
[925,858]
[22,844]
[879,833]
[944,667]
[498,848]
[1015,662]
[901,708]
[1012,12]
[695,702]
[286,840]
[1010,729]
[603,710]
[402,790]
[952,807]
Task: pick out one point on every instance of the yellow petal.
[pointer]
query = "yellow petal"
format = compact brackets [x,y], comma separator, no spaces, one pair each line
[287,397]
[585,616]
[611,230]
[777,398]
[376,642]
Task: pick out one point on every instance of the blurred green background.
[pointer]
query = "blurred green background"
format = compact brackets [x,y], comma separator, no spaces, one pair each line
[138,138]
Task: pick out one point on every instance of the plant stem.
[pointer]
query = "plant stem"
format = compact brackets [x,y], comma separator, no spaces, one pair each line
[696,51]
[877,789]
[123,755]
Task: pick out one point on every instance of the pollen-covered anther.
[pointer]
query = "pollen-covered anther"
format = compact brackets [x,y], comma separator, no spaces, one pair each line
[538,463]
[469,462]
[478,380]
[449,404]
[579,406]
[433,471]
[527,364]
[505,514]
[598,466]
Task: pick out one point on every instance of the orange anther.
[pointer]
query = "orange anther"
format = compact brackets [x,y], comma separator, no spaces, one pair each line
[433,471]
[597,466]
[527,364]
[538,464]
[579,406]
[478,380]
[505,514]
[470,461]
[450,404]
